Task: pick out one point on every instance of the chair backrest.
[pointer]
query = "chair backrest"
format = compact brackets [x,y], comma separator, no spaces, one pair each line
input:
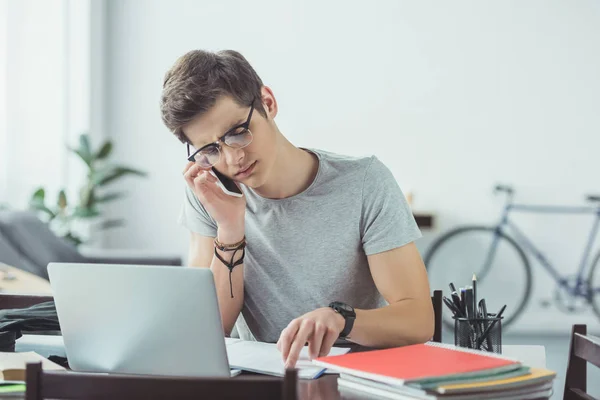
[42,384]
[34,240]
[582,349]
[437,312]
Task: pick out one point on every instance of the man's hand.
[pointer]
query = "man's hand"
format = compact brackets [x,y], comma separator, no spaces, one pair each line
[320,328]
[228,211]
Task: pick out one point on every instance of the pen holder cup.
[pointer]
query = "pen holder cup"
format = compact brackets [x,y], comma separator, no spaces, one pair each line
[479,333]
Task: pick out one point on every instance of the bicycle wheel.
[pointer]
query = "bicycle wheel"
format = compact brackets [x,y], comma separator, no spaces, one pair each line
[594,287]
[462,252]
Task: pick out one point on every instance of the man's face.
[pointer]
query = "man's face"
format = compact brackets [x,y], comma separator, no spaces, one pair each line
[249,165]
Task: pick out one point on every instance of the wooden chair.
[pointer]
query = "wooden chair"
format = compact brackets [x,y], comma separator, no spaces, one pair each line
[583,349]
[58,385]
[437,312]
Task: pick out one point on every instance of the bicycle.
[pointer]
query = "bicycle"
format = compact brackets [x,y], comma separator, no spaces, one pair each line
[479,248]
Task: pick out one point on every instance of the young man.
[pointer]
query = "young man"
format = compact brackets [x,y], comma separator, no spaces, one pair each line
[318,248]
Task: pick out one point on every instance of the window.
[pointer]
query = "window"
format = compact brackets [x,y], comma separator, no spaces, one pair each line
[44,94]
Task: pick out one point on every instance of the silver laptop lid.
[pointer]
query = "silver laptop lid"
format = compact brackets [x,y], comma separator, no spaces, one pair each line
[139,319]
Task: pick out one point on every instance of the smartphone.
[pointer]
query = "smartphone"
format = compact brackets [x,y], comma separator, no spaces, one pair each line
[227,185]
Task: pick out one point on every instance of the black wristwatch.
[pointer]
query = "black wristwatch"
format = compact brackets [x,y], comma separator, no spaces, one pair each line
[348,313]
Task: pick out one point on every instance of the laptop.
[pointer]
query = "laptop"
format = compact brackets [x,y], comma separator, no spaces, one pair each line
[137,319]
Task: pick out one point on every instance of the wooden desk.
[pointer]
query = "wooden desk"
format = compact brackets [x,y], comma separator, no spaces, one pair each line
[16,281]
[323,388]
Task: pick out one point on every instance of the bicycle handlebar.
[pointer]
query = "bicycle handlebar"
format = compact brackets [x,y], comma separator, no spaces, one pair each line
[504,188]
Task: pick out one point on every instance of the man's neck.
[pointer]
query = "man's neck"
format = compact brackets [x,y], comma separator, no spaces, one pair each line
[293,172]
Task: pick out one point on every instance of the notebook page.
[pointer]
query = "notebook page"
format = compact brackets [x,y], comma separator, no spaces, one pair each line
[265,358]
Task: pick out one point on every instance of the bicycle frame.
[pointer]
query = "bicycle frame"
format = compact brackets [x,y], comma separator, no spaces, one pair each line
[530,247]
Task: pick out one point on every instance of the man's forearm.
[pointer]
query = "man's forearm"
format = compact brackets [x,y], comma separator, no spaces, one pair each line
[405,322]
[229,307]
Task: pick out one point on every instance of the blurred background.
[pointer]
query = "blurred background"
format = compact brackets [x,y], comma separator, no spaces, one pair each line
[454,97]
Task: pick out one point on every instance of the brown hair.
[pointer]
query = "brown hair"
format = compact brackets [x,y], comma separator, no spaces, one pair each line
[199,78]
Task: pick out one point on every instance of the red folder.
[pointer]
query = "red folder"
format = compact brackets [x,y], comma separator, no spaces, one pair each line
[418,363]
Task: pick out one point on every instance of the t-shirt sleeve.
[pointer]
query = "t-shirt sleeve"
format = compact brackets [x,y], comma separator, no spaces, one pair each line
[194,216]
[387,222]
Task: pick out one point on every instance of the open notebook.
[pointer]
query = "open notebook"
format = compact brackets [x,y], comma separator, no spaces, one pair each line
[265,358]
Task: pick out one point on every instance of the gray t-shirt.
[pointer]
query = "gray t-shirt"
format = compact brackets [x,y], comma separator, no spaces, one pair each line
[310,249]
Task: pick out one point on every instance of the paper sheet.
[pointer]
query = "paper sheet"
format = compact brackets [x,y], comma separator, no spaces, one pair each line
[265,358]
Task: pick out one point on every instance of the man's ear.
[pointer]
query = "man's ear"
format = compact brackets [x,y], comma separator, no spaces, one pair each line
[269,102]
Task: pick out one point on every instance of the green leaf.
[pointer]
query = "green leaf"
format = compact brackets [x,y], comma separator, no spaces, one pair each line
[81,212]
[37,202]
[40,207]
[62,200]
[73,239]
[84,144]
[86,159]
[105,150]
[111,223]
[84,150]
[113,173]
[87,196]
[39,195]
[109,197]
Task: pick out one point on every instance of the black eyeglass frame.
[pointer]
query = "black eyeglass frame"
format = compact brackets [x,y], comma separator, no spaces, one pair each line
[245,126]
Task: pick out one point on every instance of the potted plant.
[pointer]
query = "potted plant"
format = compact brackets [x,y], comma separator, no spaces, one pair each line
[76,220]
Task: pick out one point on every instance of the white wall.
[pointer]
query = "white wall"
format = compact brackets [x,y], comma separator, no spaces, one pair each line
[452,96]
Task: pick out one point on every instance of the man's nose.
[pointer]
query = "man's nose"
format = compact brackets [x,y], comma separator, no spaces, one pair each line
[233,156]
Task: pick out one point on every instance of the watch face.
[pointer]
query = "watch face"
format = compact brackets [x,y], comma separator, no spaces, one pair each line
[345,307]
[342,308]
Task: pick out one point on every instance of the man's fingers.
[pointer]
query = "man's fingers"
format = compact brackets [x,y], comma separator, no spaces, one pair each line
[314,343]
[189,165]
[328,341]
[191,172]
[287,337]
[305,331]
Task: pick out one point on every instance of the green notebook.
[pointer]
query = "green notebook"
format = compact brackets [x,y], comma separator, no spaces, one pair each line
[12,387]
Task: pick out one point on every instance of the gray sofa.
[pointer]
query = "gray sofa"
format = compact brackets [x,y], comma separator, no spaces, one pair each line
[29,244]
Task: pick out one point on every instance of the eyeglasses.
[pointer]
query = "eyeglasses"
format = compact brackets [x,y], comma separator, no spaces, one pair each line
[237,137]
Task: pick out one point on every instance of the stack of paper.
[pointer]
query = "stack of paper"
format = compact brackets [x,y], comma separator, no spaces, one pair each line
[437,371]
[265,358]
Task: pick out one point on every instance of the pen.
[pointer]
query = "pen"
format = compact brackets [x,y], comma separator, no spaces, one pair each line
[484,315]
[474,293]
[489,328]
[456,301]
[451,306]
[471,315]
[469,303]
[452,287]
[462,302]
